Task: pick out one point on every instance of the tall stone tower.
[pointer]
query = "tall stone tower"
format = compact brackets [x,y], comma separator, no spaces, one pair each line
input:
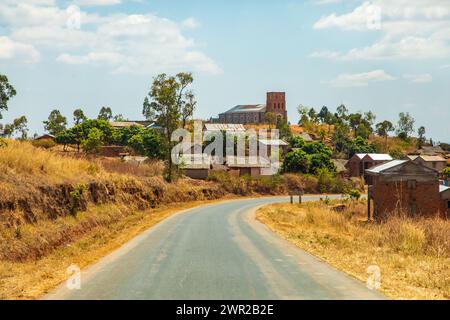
[276,103]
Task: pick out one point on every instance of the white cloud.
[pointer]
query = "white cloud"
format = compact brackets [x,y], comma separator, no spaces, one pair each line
[190,23]
[418,78]
[143,43]
[10,49]
[413,29]
[360,79]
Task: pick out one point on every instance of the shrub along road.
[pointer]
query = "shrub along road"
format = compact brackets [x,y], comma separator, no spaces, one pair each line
[217,251]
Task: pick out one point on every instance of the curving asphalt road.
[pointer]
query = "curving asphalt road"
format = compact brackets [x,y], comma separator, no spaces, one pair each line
[217,251]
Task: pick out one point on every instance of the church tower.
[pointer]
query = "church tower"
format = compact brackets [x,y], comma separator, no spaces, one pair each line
[276,103]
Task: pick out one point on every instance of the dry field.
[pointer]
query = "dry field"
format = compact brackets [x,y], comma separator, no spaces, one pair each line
[413,254]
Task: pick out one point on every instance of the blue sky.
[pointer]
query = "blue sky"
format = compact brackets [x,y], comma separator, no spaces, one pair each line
[384,56]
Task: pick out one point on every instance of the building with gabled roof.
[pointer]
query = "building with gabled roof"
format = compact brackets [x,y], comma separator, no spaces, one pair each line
[407,188]
[434,162]
[233,127]
[256,113]
[360,162]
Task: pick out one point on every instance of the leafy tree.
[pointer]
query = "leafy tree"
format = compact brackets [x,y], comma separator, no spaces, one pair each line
[360,145]
[296,161]
[105,114]
[66,138]
[56,122]
[283,128]
[119,118]
[147,143]
[79,133]
[421,132]
[271,119]
[123,135]
[355,120]
[312,114]
[165,104]
[303,112]
[342,112]
[324,114]
[362,131]
[7,91]
[20,125]
[405,125]
[78,116]
[341,137]
[383,129]
[93,142]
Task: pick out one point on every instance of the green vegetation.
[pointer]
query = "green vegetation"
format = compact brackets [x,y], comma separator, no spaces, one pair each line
[169,103]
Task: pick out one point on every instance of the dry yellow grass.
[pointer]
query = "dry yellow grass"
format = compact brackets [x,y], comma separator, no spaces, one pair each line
[413,254]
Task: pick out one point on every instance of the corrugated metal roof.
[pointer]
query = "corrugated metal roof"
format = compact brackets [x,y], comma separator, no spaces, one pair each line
[224,127]
[432,158]
[247,108]
[379,156]
[385,166]
[273,142]
[443,188]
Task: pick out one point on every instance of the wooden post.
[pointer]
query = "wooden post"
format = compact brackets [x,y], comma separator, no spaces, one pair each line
[368,208]
[292,199]
[300,199]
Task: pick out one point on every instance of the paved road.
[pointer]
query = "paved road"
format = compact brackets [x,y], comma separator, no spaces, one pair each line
[217,251]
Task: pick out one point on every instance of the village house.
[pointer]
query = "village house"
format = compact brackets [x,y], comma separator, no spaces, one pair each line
[254,167]
[434,162]
[405,187]
[256,113]
[360,162]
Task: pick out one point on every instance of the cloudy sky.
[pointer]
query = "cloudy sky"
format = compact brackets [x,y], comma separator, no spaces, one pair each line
[387,56]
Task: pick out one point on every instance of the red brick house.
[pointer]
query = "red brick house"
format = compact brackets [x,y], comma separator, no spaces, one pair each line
[405,187]
[360,162]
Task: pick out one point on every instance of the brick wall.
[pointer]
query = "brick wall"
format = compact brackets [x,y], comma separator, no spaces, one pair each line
[420,199]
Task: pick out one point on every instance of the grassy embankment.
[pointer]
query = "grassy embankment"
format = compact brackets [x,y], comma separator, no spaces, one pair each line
[56,211]
[413,254]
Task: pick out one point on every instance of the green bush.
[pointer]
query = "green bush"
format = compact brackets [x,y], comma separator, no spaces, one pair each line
[93,142]
[296,161]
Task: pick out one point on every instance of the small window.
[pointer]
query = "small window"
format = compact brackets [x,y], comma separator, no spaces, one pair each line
[434,165]
[411,184]
[448,205]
